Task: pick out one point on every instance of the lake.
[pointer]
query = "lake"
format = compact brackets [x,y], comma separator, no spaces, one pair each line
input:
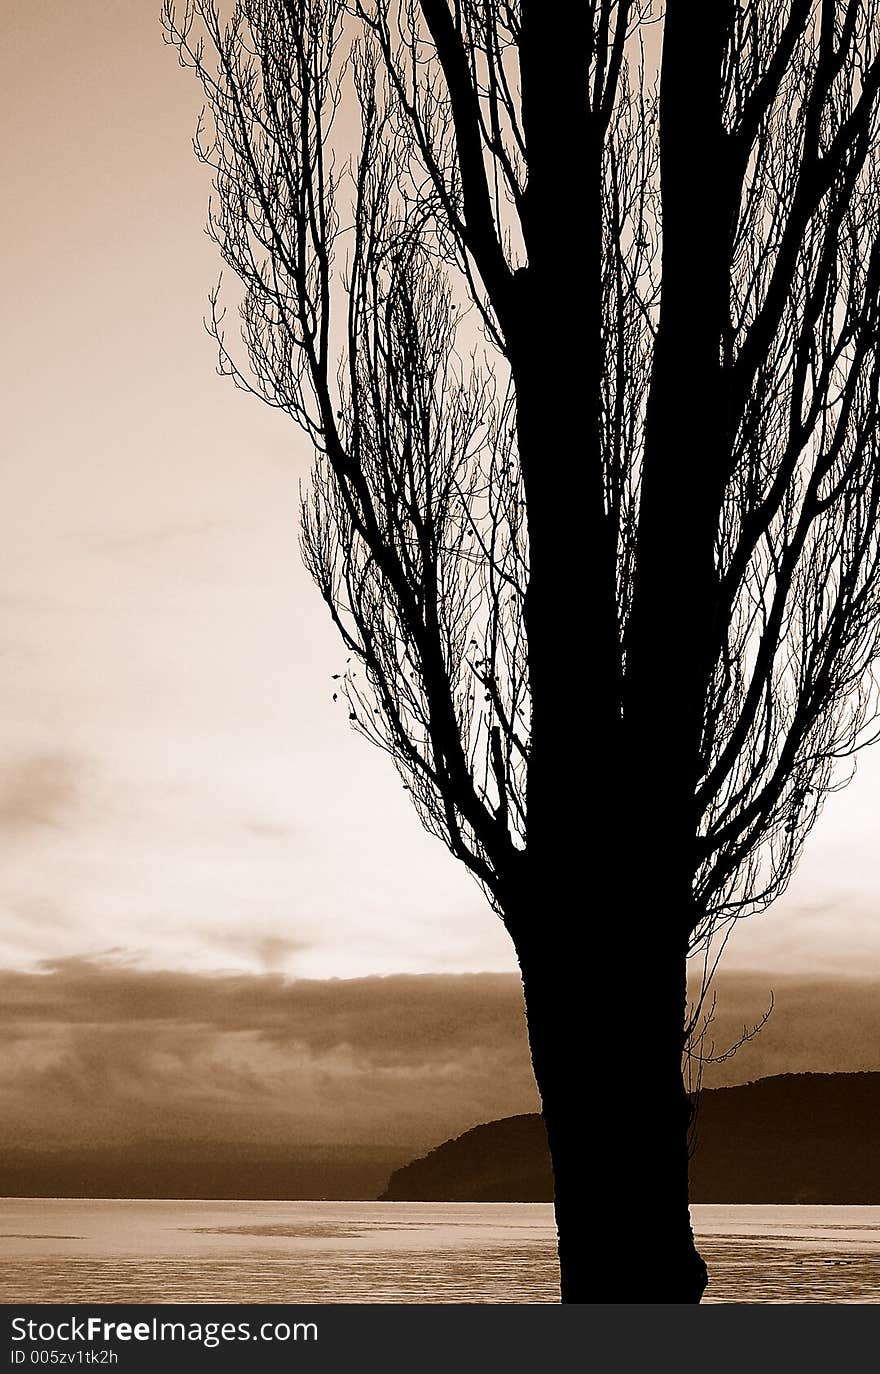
[83,1250]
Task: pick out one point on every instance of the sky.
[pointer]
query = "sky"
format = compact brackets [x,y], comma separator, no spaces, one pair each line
[176,781]
[178,793]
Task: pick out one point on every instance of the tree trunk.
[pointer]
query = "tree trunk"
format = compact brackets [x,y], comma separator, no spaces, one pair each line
[605,986]
[605,1031]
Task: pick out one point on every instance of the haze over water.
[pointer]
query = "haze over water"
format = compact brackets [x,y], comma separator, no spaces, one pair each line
[84,1250]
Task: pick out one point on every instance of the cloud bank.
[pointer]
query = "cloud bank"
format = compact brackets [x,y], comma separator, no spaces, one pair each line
[98,1052]
[101,1053]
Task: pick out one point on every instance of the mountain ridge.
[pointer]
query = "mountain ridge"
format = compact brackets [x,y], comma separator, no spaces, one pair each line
[788,1138]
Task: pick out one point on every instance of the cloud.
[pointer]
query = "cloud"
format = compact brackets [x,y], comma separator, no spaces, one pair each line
[159,536]
[105,1052]
[100,1051]
[271,951]
[817,1025]
[402,1015]
[37,791]
[269,830]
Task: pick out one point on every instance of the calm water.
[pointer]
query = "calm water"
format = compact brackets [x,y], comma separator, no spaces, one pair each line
[57,1250]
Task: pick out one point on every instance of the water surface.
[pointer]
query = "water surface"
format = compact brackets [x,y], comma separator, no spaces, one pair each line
[84,1250]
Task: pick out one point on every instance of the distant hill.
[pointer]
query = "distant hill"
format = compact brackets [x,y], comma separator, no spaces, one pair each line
[502,1161]
[794,1138]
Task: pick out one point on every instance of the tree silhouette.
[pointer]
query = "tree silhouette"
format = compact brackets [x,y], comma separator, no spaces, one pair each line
[586,344]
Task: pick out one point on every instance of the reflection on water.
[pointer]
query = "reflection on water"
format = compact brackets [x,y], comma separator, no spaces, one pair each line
[278,1252]
[791,1254]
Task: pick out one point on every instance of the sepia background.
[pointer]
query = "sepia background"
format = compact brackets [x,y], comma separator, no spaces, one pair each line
[188,827]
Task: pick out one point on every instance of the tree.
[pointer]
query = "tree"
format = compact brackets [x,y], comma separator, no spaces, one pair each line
[594,506]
